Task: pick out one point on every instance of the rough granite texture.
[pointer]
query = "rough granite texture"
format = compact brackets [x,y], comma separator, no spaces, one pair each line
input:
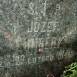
[33,32]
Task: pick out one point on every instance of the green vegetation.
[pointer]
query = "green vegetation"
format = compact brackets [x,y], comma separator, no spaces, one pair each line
[70,70]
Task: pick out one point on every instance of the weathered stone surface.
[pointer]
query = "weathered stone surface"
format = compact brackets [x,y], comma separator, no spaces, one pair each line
[36,31]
